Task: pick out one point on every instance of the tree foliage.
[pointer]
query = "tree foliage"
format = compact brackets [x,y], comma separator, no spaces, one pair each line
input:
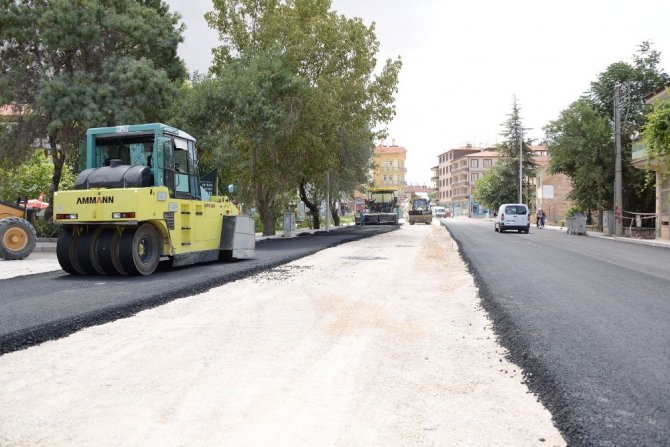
[493,188]
[344,100]
[67,65]
[657,132]
[581,140]
[246,118]
[507,169]
[581,147]
[31,178]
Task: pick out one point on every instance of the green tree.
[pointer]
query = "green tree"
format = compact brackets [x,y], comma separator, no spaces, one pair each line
[335,57]
[657,133]
[72,64]
[580,144]
[636,81]
[507,168]
[247,116]
[493,189]
[31,178]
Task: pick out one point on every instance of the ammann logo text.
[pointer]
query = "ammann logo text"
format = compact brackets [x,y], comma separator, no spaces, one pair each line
[94,199]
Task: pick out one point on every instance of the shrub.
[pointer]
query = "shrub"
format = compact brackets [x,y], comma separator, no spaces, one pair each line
[46,228]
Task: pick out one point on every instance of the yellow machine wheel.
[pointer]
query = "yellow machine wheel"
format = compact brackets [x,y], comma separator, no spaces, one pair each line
[140,250]
[17,238]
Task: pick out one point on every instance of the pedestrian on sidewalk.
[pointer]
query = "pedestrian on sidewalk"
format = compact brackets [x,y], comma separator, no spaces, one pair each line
[540,218]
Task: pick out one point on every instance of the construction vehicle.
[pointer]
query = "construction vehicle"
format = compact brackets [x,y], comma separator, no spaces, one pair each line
[381,207]
[17,235]
[139,201]
[420,211]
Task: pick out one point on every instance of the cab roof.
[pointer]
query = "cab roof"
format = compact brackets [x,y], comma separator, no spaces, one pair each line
[138,128]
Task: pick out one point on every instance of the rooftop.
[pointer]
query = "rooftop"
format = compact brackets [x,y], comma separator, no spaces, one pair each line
[390,150]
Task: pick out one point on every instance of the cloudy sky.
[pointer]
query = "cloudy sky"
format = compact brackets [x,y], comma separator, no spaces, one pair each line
[463,61]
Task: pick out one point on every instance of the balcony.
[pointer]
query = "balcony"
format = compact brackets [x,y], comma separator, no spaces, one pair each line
[641,160]
[393,169]
[459,168]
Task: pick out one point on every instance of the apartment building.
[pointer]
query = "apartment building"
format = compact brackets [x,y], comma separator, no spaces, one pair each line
[478,163]
[450,171]
[457,171]
[389,167]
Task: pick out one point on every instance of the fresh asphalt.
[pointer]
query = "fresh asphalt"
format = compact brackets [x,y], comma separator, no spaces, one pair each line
[46,306]
[587,320]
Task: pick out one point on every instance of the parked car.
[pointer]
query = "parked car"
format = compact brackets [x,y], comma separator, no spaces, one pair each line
[512,216]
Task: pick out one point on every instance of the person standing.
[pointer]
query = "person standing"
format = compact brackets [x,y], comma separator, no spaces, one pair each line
[540,218]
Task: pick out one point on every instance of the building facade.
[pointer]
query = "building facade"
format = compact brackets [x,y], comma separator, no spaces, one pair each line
[459,169]
[389,167]
[478,163]
[551,190]
[641,160]
[451,178]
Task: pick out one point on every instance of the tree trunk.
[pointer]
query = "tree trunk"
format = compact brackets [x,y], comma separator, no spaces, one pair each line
[265,201]
[58,158]
[313,208]
[333,212]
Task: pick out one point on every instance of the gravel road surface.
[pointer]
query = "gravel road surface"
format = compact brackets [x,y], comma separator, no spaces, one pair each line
[377,342]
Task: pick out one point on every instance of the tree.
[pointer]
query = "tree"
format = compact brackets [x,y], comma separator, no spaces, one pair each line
[507,168]
[68,65]
[636,81]
[580,144]
[493,189]
[335,57]
[31,178]
[245,117]
[657,133]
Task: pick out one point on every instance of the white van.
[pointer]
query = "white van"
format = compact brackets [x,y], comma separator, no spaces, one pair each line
[512,216]
[439,211]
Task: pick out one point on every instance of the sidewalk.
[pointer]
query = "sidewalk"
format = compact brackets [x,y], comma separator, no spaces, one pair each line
[48,245]
[652,242]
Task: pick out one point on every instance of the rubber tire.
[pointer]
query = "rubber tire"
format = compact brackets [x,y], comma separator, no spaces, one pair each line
[66,252]
[83,252]
[106,246]
[13,227]
[140,250]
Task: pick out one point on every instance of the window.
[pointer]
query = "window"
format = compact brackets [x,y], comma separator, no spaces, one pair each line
[487,163]
[514,209]
[474,163]
[474,177]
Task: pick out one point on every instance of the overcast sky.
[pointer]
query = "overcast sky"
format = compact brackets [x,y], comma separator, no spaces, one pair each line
[463,61]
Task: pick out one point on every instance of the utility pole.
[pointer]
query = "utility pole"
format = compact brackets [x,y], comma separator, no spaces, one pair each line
[618,199]
[520,165]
